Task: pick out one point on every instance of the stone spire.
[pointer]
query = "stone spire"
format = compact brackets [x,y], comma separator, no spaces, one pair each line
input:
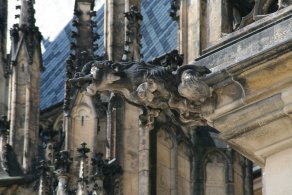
[80,111]
[25,33]
[27,13]
[3,60]
[82,47]
[133,19]
[26,65]
[43,169]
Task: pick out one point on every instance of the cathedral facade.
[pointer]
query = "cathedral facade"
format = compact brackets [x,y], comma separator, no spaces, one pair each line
[148,97]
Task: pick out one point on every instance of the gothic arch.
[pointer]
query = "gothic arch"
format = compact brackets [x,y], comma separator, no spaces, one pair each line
[219,174]
[58,122]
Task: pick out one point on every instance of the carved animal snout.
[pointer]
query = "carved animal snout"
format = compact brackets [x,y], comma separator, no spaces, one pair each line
[112,78]
[144,93]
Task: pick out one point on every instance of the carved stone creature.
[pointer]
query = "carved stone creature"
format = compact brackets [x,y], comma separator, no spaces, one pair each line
[192,88]
[149,85]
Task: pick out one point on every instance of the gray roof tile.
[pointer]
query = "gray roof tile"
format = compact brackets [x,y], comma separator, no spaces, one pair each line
[158,37]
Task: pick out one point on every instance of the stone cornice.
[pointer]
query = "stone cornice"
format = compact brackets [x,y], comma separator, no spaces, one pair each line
[249,50]
[247,31]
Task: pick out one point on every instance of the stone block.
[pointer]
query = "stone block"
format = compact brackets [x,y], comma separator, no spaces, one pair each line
[163,177]
[163,155]
[277,173]
[130,183]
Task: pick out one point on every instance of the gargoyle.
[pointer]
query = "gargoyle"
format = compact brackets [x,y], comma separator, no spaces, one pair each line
[148,85]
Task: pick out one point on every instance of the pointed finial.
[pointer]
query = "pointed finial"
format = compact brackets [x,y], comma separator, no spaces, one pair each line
[83,150]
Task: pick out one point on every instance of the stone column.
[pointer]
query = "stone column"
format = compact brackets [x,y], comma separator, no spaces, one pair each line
[248,177]
[118,30]
[146,125]
[215,21]
[133,20]
[122,43]
[201,25]
[189,29]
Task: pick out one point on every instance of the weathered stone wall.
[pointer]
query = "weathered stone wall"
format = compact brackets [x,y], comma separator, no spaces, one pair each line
[84,125]
[129,153]
[277,173]
[184,170]
[215,182]
[18,189]
[164,165]
[173,165]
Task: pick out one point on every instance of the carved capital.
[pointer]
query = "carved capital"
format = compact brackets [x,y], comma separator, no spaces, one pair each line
[147,117]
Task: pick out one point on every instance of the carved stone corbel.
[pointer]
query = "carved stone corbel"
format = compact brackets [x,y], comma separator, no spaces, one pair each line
[146,118]
[132,35]
[179,89]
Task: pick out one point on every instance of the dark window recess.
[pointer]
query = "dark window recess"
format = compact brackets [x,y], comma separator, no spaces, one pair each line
[273,7]
[241,12]
[82,120]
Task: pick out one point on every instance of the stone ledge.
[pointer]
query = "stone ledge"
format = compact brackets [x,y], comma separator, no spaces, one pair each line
[249,30]
[257,48]
[7,181]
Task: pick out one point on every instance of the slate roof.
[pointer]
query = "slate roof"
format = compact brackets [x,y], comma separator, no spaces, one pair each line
[158,37]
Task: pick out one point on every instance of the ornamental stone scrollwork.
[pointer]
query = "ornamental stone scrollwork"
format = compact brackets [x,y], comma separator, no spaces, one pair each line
[133,36]
[248,11]
[62,164]
[147,117]
[179,89]
[103,173]
[174,9]
[43,170]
